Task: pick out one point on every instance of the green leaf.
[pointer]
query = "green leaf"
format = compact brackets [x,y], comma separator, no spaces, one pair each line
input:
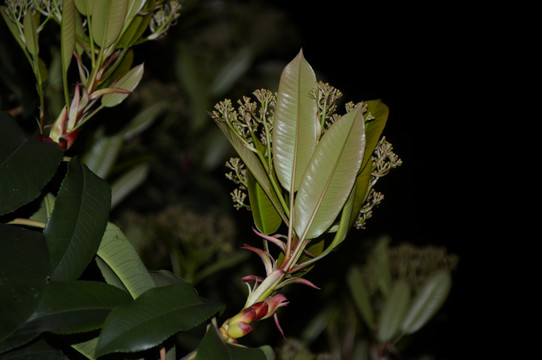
[231,72]
[213,348]
[24,267]
[84,6]
[68,308]
[37,350]
[128,82]
[360,192]
[296,127]
[361,296]
[107,20]
[266,217]
[123,264]
[427,302]
[26,166]
[13,28]
[78,221]
[394,311]
[103,153]
[254,166]
[381,270]
[330,175]
[67,34]
[374,128]
[30,33]
[153,317]
[128,182]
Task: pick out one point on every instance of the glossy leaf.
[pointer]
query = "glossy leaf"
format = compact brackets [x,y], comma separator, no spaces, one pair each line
[68,308]
[266,218]
[213,348]
[253,164]
[67,33]
[427,302]
[24,267]
[330,175]
[122,263]
[78,221]
[103,153]
[26,166]
[30,29]
[153,317]
[128,82]
[394,311]
[295,127]
[108,20]
[361,297]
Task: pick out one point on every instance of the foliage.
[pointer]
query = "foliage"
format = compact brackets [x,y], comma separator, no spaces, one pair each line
[73,283]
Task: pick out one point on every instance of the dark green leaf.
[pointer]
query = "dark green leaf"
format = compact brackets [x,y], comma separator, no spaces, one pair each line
[38,350]
[24,267]
[374,127]
[296,127]
[26,166]
[393,312]
[122,264]
[266,217]
[153,317]
[213,348]
[77,224]
[427,302]
[330,175]
[68,308]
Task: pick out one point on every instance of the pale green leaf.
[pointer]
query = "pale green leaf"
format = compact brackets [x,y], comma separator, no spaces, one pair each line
[128,82]
[127,182]
[361,296]
[330,175]
[31,33]
[84,6]
[67,34]
[253,164]
[296,127]
[427,302]
[107,20]
[394,311]
[122,259]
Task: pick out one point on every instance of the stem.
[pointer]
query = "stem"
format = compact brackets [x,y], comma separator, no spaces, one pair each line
[162,353]
[27,222]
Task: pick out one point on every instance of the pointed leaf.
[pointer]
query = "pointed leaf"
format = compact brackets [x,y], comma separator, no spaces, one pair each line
[361,296]
[123,263]
[108,20]
[330,175]
[153,317]
[68,308]
[360,192]
[394,311]
[128,82]
[296,127]
[266,218]
[381,271]
[26,166]
[78,221]
[128,182]
[37,350]
[254,166]
[67,33]
[30,33]
[24,267]
[427,302]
